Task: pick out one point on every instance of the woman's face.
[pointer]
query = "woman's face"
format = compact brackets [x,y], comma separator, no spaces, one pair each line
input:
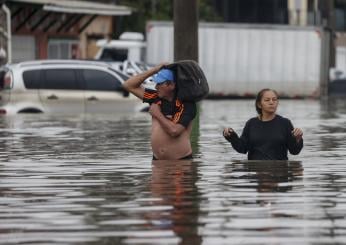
[269,102]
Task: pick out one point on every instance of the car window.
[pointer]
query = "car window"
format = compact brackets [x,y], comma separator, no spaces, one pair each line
[60,79]
[32,79]
[114,54]
[100,80]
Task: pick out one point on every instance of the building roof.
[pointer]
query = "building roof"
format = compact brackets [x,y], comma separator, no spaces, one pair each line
[78,7]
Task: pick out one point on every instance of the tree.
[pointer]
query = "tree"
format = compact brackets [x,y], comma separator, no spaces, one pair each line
[145,10]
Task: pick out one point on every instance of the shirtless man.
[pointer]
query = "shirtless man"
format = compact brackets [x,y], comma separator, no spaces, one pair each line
[171,118]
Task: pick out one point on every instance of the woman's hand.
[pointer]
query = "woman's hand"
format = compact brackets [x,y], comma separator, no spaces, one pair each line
[297,133]
[227,132]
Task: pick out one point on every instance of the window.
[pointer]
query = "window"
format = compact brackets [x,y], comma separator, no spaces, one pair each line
[32,79]
[60,79]
[114,54]
[63,49]
[101,81]
[340,15]
[253,11]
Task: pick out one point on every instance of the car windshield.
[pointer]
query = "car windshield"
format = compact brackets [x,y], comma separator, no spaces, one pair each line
[112,54]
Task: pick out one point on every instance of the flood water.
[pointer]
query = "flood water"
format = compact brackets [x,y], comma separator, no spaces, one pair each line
[90,180]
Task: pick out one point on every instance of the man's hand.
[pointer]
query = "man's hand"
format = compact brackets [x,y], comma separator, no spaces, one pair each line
[155,110]
[134,83]
[297,133]
[171,128]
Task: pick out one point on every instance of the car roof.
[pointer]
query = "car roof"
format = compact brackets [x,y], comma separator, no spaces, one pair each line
[60,62]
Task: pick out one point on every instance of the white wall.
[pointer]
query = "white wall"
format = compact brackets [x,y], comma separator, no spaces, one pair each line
[23,48]
[242,59]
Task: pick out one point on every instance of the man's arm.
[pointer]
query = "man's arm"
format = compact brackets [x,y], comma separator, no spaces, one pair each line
[171,128]
[133,84]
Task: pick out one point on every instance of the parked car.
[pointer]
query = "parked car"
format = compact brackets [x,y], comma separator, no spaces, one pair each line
[64,86]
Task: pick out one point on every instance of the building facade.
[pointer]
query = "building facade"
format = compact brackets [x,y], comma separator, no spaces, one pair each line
[291,12]
[50,29]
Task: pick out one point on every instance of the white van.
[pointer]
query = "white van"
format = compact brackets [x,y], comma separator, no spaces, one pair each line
[129,46]
[64,86]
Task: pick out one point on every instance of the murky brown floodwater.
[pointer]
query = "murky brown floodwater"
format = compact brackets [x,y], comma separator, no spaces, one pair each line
[86,180]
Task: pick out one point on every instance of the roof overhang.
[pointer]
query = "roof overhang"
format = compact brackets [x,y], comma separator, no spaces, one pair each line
[79,7]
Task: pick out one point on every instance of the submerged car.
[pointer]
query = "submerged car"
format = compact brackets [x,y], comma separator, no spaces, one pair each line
[64,86]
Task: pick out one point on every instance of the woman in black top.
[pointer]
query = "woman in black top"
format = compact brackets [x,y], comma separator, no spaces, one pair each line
[267,136]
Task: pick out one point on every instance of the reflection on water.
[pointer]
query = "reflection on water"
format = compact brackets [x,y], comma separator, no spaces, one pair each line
[86,180]
[266,176]
[173,186]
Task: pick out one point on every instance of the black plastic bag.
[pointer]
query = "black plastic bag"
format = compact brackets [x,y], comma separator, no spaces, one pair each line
[192,85]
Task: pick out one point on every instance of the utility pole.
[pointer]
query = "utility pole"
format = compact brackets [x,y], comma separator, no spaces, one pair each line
[328,21]
[185,30]
[185,17]
[327,9]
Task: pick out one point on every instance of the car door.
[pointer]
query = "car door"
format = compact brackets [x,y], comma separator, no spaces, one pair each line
[61,91]
[104,93]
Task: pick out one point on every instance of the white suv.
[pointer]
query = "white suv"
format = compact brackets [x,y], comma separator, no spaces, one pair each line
[64,86]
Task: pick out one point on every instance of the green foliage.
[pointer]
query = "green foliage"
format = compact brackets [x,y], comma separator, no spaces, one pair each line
[145,10]
[207,12]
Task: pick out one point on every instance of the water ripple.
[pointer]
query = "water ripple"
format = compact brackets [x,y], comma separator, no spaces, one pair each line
[85,180]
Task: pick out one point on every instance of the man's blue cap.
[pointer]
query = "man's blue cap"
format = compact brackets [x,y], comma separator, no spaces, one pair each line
[163,75]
